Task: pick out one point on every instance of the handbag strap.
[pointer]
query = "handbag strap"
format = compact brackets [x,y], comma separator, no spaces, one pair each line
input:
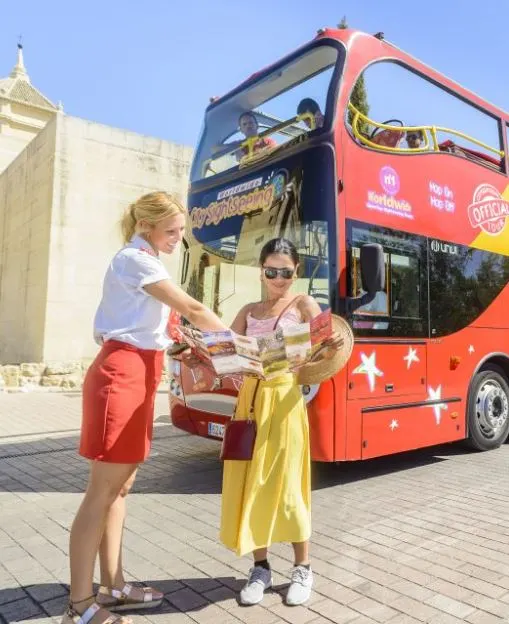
[251,409]
[286,308]
[252,406]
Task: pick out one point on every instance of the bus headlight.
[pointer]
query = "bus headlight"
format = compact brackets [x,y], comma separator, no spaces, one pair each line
[310,392]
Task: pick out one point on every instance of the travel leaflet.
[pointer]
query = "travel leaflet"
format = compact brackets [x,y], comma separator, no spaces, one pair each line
[266,356]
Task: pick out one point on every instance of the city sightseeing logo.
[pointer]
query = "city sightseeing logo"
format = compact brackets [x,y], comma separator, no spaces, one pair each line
[240,200]
[387,202]
[489,210]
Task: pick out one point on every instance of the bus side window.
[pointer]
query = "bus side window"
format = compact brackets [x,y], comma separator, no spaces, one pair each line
[400,309]
[378,306]
[463,282]
[419,103]
[405,285]
[507,150]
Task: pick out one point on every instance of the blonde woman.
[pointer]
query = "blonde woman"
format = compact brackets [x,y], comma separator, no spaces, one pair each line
[118,402]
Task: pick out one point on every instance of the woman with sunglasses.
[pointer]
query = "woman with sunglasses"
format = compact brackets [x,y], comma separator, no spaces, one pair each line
[268,499]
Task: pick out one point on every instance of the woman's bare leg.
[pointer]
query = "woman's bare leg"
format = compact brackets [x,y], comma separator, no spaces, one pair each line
[110,548]
[104,486]
[301,553]
[260,554]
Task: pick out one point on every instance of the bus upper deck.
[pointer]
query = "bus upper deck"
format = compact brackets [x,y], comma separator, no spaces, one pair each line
[323,73]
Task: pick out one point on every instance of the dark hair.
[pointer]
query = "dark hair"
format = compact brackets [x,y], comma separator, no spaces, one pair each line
[308,105]
[248,114]
[279,246]
[419,133]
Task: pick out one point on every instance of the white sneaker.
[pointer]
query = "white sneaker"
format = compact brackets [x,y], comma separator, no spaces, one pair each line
[301,583]
[259,580]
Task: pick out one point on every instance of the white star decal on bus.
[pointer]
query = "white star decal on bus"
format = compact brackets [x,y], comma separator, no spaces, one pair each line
[411,357]
[368,367]
[471,349]
[434,395]
[394,425]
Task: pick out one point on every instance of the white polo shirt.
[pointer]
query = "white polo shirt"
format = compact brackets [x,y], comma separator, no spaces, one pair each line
[127,312]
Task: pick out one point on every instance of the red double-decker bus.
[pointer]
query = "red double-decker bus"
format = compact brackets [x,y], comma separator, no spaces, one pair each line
[350,143]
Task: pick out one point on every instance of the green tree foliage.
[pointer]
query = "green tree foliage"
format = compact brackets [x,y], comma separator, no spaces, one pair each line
[464,285]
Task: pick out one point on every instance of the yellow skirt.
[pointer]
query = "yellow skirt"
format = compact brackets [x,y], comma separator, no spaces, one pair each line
[268,499]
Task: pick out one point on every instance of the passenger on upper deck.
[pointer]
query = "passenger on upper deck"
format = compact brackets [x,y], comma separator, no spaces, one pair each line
[248,125]
[451,148]
[414,138]
[308,105]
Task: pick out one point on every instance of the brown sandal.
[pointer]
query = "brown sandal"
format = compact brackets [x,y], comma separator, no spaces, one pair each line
[131,597]
[95,614]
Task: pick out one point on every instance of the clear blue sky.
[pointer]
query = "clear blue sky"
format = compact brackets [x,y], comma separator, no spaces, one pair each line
[150,66]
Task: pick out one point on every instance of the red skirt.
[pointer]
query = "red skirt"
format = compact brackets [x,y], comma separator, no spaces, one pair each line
[118,403]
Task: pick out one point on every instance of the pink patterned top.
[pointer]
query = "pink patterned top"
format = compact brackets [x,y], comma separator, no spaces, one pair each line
[257,327]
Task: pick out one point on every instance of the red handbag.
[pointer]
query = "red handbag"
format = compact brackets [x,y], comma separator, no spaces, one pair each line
[240,436]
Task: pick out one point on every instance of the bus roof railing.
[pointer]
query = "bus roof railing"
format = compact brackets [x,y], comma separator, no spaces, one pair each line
[267,119]
[433,130]
[250,142]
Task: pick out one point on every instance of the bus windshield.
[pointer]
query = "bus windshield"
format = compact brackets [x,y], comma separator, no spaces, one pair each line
[231,222]
[284,105]
[223,273]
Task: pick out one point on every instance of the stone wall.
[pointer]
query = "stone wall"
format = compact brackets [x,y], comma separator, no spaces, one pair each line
[60,205]
[99,170]
[51,377]
[26,196]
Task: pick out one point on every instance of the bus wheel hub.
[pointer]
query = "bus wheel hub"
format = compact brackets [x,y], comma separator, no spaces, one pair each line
[492,407]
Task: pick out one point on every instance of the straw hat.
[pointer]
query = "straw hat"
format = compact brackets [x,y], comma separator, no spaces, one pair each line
[332,361]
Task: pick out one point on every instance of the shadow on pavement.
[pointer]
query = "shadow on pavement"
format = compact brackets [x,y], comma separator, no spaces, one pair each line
[181,595]
[330,474]
[179,464]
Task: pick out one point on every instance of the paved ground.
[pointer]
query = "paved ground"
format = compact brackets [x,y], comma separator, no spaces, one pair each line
[421,537]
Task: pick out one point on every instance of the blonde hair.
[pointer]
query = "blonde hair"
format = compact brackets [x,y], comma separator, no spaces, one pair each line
[151,208]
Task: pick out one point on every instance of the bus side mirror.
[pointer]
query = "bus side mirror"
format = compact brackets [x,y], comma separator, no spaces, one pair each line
[372,268]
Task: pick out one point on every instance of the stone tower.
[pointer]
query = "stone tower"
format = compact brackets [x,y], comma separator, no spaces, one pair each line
[24,111]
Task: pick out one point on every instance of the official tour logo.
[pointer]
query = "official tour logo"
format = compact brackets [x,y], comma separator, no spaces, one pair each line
[489,210]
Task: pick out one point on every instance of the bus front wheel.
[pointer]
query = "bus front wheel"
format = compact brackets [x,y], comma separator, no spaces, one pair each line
[488,409]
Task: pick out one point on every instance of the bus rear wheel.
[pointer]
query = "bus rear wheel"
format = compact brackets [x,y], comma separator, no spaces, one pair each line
[488,409]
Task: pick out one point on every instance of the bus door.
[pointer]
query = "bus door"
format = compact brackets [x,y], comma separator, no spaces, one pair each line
[387,373]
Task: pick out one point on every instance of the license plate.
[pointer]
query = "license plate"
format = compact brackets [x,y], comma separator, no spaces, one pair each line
[216,430]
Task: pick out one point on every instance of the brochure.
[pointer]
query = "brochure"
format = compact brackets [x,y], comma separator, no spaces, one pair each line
[266,356]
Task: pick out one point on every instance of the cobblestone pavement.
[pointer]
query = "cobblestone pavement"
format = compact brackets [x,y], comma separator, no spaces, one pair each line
[421,537]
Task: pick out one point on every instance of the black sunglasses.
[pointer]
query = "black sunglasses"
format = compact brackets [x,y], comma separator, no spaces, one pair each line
[413,136]
[271,273]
